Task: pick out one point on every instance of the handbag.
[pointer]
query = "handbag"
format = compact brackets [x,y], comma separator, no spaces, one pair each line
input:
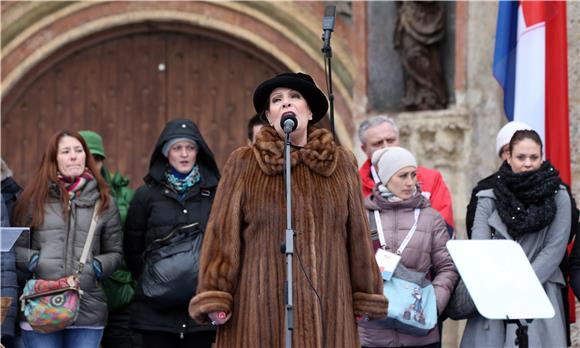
[412,301]
[169,277]
[52,305]
[461,305]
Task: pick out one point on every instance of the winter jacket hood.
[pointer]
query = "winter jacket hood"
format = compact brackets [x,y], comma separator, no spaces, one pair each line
[377,202]
[180,128]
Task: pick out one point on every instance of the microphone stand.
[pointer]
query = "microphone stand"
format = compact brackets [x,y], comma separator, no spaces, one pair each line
[288,246]
[327,29]
[521,332]
[327,51]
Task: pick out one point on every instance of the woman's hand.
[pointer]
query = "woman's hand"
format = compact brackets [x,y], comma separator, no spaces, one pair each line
[219,318]
[359,318]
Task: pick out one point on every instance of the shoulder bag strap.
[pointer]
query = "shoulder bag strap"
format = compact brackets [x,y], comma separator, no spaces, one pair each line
[374,174]
[379,225]
[90,237]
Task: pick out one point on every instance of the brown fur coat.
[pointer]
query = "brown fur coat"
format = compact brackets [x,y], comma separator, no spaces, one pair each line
[243,271]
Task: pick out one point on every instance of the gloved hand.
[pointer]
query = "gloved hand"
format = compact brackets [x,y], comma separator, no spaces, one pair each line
[97,269]
[33,263]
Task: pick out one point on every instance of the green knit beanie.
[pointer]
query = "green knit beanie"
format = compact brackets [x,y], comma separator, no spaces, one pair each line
[94,142]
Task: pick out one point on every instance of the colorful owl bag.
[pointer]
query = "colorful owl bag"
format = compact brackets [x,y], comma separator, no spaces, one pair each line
[52,305]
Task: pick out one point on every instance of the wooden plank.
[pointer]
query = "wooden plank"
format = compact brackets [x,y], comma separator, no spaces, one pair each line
[116,88]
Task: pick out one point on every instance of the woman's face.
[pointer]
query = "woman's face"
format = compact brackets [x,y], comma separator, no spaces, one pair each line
[526,156]
[285,101]
[182,156]
[402,183]
[70,157]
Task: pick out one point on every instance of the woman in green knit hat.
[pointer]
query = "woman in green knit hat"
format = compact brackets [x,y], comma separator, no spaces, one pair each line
[119,287]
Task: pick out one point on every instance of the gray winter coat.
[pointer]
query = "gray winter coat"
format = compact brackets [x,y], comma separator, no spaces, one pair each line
[59,244]
[425,252]
[544,250]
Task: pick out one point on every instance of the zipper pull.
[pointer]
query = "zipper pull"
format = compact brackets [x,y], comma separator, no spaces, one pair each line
[70,207]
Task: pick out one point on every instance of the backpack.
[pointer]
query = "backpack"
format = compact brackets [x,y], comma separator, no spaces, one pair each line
[484,184]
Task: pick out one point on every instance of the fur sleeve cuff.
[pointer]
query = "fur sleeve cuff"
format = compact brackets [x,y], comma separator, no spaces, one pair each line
[207,302]
[372,305]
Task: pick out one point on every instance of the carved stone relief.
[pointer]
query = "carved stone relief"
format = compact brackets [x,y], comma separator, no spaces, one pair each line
[442,140]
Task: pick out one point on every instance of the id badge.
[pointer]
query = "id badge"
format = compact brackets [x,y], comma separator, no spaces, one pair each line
[387,262]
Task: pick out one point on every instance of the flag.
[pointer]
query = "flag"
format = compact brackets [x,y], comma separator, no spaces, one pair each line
[530,64]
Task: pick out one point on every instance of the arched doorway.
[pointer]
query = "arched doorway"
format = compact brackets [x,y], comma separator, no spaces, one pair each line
[126,85]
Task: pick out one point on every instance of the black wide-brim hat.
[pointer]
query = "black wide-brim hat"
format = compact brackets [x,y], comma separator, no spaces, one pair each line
[300,82]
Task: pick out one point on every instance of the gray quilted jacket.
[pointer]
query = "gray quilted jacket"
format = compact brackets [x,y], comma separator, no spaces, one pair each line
[59,243]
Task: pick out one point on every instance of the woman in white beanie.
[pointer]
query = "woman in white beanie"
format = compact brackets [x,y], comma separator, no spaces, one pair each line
[401,209]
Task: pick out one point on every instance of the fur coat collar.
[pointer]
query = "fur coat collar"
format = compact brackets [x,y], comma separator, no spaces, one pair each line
[319,153]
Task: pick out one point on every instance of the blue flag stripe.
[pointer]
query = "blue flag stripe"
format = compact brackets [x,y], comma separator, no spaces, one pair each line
[504,56]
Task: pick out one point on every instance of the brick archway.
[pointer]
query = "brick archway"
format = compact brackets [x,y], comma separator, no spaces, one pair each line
[282,30]
[125,84]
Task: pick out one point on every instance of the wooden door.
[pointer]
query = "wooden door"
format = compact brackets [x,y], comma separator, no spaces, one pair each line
[127,88]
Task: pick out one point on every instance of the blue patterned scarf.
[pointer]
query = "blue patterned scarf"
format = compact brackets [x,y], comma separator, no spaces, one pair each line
[182,182]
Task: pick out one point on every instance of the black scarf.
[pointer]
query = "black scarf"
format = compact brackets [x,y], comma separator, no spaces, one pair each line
[526,201]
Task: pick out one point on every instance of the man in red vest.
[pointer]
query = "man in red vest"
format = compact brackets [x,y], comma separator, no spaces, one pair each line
[381,131]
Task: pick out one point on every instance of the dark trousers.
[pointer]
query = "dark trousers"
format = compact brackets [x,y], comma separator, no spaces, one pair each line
[201,339]
[117,332]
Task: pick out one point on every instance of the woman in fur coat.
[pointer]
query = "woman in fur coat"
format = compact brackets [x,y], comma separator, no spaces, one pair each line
[242,271]
[527,204]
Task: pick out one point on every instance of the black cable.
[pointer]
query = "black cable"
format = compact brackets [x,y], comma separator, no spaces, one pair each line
[317,296]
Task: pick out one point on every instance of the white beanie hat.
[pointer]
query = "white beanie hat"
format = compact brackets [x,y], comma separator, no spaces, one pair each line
[390,160]
[506,133]
[167,146]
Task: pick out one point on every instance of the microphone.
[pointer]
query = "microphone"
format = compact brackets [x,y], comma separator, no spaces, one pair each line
[328,25]
[288,122]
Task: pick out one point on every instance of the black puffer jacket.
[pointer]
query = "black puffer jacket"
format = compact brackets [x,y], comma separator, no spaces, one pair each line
[155,209]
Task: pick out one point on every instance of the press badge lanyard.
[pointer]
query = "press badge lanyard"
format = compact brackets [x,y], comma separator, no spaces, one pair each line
[386,260]
[407,237]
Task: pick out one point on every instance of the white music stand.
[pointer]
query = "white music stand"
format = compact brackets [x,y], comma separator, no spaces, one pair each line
[495,272]
[9,235]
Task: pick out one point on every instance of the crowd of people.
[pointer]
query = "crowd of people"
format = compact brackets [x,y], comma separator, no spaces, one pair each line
[193,257]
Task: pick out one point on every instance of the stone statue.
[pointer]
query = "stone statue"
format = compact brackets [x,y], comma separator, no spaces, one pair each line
[419,30]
